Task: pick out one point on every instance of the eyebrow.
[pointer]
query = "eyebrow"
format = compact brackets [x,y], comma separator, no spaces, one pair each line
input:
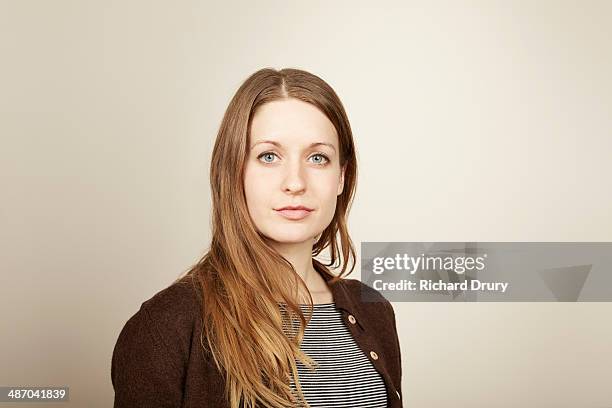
[279,145]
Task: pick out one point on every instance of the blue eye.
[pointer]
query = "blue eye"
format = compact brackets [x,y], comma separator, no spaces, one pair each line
[319,162]
[323,156]
[266,154]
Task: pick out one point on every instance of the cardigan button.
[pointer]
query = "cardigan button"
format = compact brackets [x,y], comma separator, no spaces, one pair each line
[398,394]
[374,355]
[352,319]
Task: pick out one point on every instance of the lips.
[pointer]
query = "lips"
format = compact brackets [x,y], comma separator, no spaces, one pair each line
[294,212]
[294,207]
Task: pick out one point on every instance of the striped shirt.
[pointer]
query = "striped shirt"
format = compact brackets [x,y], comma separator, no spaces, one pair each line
[345,376]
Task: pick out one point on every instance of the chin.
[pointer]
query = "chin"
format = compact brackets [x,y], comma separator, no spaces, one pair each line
[288,238]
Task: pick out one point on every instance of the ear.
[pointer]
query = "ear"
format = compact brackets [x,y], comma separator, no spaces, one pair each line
[341,184]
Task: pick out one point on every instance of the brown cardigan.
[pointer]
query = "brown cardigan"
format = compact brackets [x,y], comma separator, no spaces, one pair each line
[158,360]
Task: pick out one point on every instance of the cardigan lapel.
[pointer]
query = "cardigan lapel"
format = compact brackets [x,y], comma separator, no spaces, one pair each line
[343,298]
[351,303]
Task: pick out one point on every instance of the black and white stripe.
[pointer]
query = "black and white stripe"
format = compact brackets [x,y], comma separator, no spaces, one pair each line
[345,376]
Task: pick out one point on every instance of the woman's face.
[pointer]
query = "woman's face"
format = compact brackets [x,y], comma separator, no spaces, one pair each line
[293,161]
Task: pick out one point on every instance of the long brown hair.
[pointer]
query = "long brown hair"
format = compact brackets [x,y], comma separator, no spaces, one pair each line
[241,278]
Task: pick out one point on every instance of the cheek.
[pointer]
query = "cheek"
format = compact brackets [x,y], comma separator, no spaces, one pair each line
[327,195]
[329,187]
[251,186]
[251,192]
[257,187]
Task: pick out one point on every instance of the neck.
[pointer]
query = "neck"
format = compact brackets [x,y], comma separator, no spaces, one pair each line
[300,257]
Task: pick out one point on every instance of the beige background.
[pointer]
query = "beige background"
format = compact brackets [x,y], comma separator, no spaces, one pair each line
[474,121]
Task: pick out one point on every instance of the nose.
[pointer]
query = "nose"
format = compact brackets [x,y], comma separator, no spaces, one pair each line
[294,181]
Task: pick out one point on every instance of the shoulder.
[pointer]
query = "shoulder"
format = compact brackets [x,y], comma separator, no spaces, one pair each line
[152,350]
[172,315]
[162,328]
[176,305]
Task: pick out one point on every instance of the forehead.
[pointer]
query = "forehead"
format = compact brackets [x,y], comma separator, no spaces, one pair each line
[292,120]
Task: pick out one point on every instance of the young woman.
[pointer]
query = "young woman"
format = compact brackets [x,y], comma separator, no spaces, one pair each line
[258,321]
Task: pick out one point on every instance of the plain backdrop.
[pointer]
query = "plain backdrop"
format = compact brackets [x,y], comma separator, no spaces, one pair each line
[473,120]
